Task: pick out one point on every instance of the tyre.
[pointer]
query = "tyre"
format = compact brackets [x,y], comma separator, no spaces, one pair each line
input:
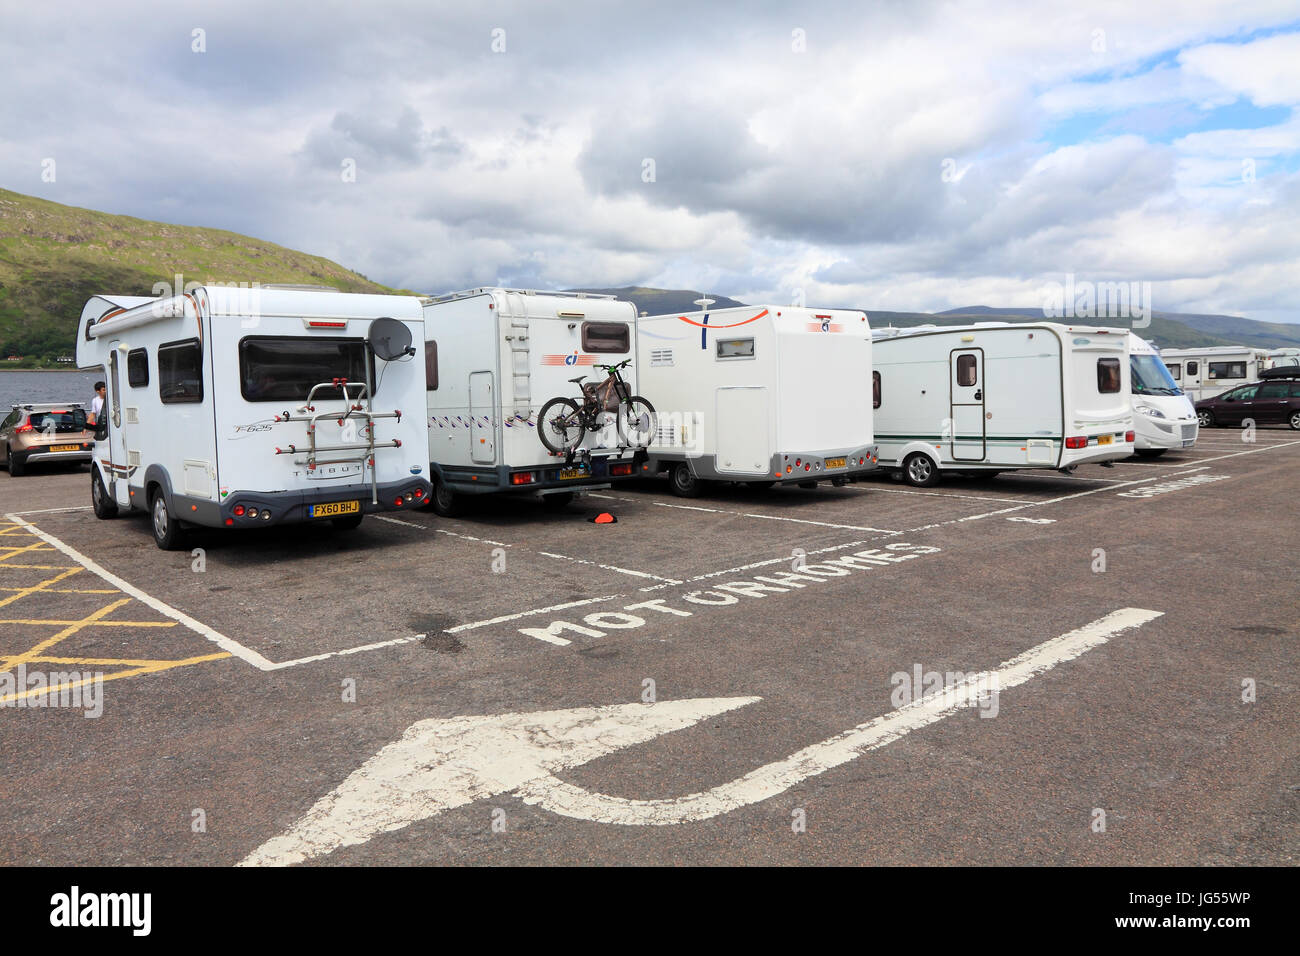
[557,501]
[560,426]
[1150,452]
[105,507]
[167,533]
[1205,417]
[445,501]
[920,470]
[1294,421]
[683,482]
[16,465]
[347,522]
[636,422]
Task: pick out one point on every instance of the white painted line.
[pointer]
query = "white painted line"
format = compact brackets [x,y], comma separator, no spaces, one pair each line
[931,494]
[1013,475]
[166,610]
[50,511]
[610,567]
[1253,451]
[343,653]
[821,524]
[409,524]
[540,610]
[548,791]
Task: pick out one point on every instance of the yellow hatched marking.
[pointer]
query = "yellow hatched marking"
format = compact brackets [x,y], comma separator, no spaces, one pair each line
[84,623]
[72,628]
[23,549]
[68,590]
[41,567]
[23,592]
[147,669]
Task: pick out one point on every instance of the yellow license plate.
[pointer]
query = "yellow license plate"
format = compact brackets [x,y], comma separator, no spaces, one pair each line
[65,448]
[1104,439]
[834,462]
[332,508]
[567,473]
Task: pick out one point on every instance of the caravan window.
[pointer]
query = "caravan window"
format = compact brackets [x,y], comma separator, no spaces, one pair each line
[1108,377]
[137,368]
[605,337]
[875,389]
[967,375]
[1193,368]
[1227,370]
[1176,370]
[430,366]
[735,348]
[284,368]
[180,373]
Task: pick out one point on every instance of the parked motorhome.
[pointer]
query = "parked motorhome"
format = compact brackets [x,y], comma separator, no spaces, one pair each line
[997,396]
[1163,416]
[1282,358]
[757,394]
[493,358]
[1207,372]
[246,408]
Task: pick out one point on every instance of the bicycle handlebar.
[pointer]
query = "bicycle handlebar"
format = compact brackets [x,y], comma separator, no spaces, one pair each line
[609,368]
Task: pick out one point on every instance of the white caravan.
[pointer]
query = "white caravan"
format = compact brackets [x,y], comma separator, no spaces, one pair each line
[254,407]
[1207,372]
[493,358]
[757,394]
[997,396]
[1163,417]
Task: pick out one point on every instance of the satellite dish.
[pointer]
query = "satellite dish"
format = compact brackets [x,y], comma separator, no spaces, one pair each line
[389,339]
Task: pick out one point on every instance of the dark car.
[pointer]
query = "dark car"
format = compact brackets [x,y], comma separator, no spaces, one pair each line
[1264,403]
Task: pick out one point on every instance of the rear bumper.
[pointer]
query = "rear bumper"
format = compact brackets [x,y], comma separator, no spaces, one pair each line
[37,455]
[1165,433]
[597,471]
[292,507]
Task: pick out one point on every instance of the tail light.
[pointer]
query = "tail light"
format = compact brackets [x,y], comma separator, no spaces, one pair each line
[522,478]
[417,494]
[399,501]
[1129,436]
[266,515]
[623,468]
[24,429]
[1077,441]
[238,511]
[252,512]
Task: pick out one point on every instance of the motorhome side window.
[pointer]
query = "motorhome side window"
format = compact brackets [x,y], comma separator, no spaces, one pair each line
[180,372]
[1227,369]
[606,337]
[284,369]
[137,368]
[1108,377]
[430,366]
[735,348]
[875,389]
[1193,368]
[1176,370]
[966,370]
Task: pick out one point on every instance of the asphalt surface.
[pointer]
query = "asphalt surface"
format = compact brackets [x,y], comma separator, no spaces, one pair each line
[227,672]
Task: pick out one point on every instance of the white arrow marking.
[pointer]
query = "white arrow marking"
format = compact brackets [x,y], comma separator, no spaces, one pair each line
[441,763]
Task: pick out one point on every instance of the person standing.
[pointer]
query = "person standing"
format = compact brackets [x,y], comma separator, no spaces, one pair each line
[97,404]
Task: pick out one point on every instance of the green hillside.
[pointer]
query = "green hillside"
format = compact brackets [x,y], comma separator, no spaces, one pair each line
[1167,329]
[55,257]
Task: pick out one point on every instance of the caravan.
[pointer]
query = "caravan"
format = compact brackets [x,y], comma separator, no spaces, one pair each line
[757,394]
[244,408]
[1163,417]
[493,358]
[997,396]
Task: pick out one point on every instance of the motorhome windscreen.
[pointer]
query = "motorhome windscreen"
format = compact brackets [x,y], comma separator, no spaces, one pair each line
[284,369]
[1150,377]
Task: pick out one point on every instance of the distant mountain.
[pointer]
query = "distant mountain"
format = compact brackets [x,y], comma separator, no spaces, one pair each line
[1239,331]
[1171,330]
[663,301]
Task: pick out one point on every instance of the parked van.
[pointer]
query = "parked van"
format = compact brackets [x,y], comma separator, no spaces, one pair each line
[493,357]
[758,394]
[1163,417]
[1207,372]
[254,407]
[997,396]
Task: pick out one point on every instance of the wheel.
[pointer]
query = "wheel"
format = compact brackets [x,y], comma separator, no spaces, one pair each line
[560,426]
[1150,452]
[683,482]
[167,532]
[920,470]
[347,522]
[1205,417]
[557,501]
[445,501]
[105,507]
[16,465]
[636,422]
[1294,421]
[760,485]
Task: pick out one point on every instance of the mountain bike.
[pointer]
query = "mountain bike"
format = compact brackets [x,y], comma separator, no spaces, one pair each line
[563,422]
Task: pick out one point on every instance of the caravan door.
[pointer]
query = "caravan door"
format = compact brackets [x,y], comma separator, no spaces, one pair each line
[742,430]
[966,371]
[482,414]
[119,491]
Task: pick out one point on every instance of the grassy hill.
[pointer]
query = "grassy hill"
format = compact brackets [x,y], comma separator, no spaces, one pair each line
[1167,329]
[55,257]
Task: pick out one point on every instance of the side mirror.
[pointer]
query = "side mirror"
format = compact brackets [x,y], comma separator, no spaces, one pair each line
[101,429]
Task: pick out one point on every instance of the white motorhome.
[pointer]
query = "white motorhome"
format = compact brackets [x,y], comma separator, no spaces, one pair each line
[1207,372]
[998,396]
[1282,358]
[245,407]
[1163,417]
[757,394]
[493,358]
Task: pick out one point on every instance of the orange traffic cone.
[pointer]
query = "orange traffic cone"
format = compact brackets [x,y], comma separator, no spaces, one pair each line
[605,518]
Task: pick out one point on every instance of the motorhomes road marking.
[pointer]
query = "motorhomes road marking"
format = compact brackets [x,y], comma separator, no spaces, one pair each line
[1164,487]
[443,763]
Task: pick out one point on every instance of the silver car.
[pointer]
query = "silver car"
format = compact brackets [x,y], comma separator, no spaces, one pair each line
[45,433]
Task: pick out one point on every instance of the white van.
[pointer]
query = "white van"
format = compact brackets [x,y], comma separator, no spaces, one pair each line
[757,394]
[254,407]
[997,396]
[1208,372]
[1163,417]
[493,358]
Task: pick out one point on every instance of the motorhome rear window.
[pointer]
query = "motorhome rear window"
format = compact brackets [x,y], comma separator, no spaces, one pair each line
[137,368]
[1108,377]
[1176,370]
[284,369]
[180,372]
[430,366]
[967,370]
[1227,369]
[875,389]
[605,337]
[735,348]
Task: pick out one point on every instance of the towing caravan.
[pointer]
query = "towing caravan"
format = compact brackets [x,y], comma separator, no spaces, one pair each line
[998,396]
[758,394]
[1207,372]
[1163,417]
[493,358]
[243,408]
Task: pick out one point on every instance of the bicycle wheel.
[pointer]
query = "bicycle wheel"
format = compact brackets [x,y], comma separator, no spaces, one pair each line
[636,422]
[560,426]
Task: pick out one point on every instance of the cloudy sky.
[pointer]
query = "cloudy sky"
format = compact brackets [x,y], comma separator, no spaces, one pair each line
[909,156]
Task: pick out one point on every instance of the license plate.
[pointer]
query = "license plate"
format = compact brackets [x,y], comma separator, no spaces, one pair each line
[332,508]
[65,448]
[569,473]
[834,462]
[1105,439]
